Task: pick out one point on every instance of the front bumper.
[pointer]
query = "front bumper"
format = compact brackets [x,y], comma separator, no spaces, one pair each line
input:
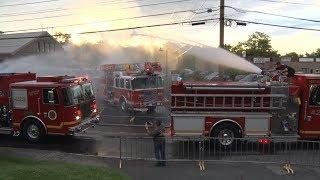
[84,125]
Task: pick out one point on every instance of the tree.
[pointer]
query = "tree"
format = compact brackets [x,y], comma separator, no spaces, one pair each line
[292,55]
[258,45]
[188,61]
[227,47]
[62,38]
[314,54]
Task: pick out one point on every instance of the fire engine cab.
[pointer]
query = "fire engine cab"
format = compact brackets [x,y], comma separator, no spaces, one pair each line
[229,110]
[133,87]
[36,106]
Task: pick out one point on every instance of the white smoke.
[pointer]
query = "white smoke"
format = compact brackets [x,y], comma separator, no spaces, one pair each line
[75,60]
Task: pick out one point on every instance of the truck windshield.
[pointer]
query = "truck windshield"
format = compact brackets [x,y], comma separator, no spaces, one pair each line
[88,91]
[76,94]
[147,82]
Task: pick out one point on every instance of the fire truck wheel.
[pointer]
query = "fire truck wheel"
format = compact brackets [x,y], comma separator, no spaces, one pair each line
[123,105]
[33,131]
[226,134]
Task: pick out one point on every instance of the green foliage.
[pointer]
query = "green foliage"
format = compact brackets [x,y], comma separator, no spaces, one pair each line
[187,62]
[16,169]
[314,54]
[293,55]
[62,38]
[227,47]
[258,45]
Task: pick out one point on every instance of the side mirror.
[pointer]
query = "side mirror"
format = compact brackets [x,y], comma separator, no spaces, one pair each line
[51,97]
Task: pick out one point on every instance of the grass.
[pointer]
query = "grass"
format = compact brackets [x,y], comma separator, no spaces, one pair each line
[16,169]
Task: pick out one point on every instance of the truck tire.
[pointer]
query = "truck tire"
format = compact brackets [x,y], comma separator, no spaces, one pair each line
[33,131]
[226,134]
[123,105]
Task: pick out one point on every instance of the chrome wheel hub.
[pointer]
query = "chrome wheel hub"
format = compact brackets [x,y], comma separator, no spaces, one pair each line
[226,137]
[33,131]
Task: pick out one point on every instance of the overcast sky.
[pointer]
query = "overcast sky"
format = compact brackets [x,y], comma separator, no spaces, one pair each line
[92,15]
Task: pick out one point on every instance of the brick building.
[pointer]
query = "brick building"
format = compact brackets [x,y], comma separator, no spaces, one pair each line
[24,44]
[302,64]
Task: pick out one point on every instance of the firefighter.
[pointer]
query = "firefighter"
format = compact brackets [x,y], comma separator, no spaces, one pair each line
[159,142]
[284,71]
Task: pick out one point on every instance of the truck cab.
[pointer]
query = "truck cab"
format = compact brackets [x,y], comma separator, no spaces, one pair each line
[134,87]
[61,105]
[309,112]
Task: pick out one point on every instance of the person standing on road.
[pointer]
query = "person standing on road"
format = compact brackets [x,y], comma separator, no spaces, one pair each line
[159,142]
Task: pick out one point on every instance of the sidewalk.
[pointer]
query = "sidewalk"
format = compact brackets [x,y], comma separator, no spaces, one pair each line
[143,170]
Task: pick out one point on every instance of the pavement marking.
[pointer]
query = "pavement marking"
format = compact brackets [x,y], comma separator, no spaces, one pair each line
[288,169]
[132,119]
[201,166]
[120,164]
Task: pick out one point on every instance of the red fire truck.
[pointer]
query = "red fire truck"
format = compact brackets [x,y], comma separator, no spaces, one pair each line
[229,110]
[133,87]
[36,106]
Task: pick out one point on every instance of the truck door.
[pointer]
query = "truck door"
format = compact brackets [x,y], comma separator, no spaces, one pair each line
[50,108]
[310,126]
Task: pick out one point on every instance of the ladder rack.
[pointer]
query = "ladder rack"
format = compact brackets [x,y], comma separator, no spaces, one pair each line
[228,101]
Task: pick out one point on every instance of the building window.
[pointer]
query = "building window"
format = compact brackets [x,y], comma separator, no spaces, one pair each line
[44,47]
[305,70]
[47,47]
[117,82]
[314,99]
[39,47]
[127,83]
[50,96]
[122,83]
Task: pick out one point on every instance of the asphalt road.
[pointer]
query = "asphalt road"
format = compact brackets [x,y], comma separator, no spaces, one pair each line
[102,141]
[96,141]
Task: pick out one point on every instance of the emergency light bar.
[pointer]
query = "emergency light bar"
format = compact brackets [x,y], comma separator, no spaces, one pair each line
[61,79]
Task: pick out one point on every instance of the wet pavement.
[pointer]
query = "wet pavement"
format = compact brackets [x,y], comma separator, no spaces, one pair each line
[95,141]
[103,140]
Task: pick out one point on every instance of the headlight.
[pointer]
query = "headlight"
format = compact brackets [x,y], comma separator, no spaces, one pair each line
[78,118]
[94,111]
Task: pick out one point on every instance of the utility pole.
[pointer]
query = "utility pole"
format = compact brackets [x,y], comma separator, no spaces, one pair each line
[221,44]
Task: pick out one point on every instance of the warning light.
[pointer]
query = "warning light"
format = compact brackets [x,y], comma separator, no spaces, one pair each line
[264,141]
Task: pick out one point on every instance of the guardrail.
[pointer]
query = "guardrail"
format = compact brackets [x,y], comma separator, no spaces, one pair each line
[201,149]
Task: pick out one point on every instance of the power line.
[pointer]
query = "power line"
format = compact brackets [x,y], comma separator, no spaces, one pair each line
[279,15]
[64,15]
[97,4]
[118,29]
[119,19]
[274,25]
[32,12]
[65,9]
[155,4]
[29,3]
[287,2]
[37,18]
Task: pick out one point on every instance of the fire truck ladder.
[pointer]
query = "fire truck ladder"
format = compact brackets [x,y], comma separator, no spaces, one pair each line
[228,101]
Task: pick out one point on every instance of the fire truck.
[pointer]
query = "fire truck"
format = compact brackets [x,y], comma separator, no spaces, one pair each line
[37,106]
[229,110]
[133,87]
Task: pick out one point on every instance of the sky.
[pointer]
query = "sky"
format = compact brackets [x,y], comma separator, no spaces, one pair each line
[76,16]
